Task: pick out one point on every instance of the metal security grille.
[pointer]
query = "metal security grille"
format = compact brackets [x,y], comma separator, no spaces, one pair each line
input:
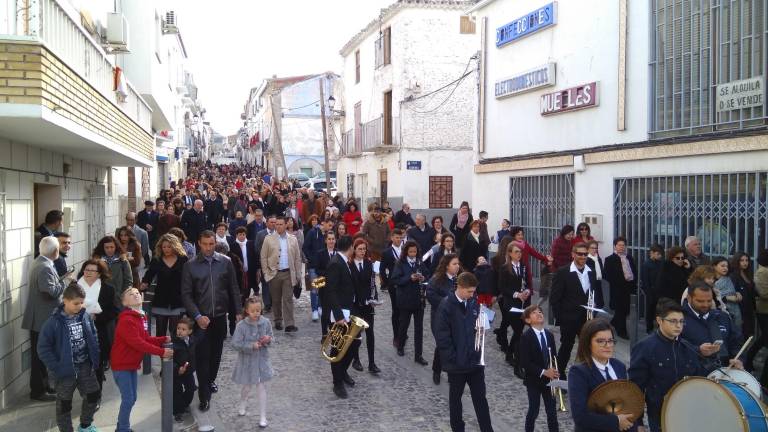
[541,205]
[728,212]
[97,214]
[697,45]
[5,288]
[440,192]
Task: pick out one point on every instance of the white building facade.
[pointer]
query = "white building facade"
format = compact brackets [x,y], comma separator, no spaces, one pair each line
[609,113]
[410,107]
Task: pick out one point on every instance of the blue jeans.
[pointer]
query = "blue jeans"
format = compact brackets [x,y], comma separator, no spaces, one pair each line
[314,299]
[127,382]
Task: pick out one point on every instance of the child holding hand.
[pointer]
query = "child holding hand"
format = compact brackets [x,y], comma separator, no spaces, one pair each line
[253,334]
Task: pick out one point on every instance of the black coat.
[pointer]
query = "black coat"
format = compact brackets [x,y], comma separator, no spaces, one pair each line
[144,218]
[339,290]
[387,266]
[460,233]
[568,296]
[471,251]
[614,274]
[510,283]
[106,301]
[168,289]
[436,292]
[408,291]
[455,335]
[403,217]
[672,281]
[193,223]
[253,260]
[486,279]
[365,286]
[425,239]
[183,353]
[533,360]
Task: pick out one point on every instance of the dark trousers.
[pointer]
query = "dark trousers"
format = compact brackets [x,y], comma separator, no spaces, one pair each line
[369,338]
[650,311]
[437,366]
[476,381]
[395,311]
[38,374]
[535,394]
[339,369]
[418,329]
[86,383]
[568,332]
[762,341]
[106,334]
[183,391]
[501,332]
[621,310]
[208,353]
[165,323]
[517,324]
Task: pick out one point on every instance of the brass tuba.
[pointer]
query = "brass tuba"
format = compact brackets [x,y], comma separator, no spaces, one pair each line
[340,337]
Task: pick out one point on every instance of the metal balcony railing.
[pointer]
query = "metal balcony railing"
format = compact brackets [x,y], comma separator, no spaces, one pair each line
[57,25]
[375,134]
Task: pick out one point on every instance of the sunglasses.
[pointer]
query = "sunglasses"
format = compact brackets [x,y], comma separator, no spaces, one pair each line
[678,258]
[581,254]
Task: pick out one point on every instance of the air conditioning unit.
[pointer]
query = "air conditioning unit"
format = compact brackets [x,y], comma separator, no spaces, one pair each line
[117,34]
[170,25]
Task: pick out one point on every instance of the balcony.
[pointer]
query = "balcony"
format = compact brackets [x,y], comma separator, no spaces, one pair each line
[57,89]
[375,136]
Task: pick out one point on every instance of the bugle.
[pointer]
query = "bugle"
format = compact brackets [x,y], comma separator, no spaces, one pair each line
[591,304]
[557,392]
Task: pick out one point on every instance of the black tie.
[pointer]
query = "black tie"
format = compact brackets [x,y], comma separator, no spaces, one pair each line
[605,373]
[453,281]
[544,349]
[464,306]
[360,267]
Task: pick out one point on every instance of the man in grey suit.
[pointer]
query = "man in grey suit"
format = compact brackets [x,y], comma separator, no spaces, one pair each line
[45,288]
[258,243]
[141,235]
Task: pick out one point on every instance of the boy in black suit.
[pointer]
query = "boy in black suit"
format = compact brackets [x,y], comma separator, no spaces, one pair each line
[183,367]
[389,258]
[537,345]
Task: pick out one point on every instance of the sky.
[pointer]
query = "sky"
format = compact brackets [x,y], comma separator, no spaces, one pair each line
[232,49]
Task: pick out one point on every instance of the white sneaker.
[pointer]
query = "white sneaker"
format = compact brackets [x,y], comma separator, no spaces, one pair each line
[263,423]
[315,316]
[241,409]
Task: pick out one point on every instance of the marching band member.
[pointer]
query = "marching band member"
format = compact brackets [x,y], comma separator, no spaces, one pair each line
[407,278]
[389,258]
[513,286]
[366,298]
[572,287]
[455,326]
[661,360]
[339,297]
[321,260]
[441,285]
[595,365]
[537,348]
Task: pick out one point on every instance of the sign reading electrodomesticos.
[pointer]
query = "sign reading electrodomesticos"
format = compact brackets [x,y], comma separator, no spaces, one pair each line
[532,22]
[532,79]
[571,99]
[735,95]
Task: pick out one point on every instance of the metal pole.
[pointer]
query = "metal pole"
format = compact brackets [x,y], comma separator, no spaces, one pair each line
[326,165]
[633,319]
[167,392]
[147,363]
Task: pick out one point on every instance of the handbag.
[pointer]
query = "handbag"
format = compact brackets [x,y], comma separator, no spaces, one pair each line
[297,290]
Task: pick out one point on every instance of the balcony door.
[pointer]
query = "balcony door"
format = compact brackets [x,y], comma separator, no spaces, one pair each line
[387,114]
[358,129]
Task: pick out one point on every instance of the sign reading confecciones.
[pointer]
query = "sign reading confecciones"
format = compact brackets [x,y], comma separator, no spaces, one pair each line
[571,99]
[540,76]
[532,22]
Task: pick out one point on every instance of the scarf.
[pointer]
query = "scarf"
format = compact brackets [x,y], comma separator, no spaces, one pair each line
[626,268]
[462,219]
[222,239]
[111,259]
[475,236]
[91,295]
[244,251]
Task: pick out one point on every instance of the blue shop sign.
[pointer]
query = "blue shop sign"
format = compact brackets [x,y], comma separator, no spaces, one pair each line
[413,165]
[530,23]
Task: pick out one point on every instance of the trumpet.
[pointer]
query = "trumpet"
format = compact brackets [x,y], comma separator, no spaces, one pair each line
[480,334]
[318,282]
[591,304]
[557,392]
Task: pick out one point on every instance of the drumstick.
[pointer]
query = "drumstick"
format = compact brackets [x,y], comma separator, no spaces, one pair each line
[743,347]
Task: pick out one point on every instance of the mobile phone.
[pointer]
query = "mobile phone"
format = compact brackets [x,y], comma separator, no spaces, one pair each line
[718,342]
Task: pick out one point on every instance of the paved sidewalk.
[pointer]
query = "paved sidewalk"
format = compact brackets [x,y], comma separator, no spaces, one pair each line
[27,416]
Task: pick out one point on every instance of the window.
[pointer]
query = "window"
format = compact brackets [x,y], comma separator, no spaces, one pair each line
[350,185]
[383,48]
[697,46]
[440,191]
[466,25]
[357,66]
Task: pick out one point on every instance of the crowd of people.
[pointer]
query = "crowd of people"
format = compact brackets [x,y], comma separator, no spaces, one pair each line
[226,247]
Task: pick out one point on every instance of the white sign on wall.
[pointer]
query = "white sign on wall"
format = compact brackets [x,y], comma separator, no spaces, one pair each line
[540,76]
[741,94]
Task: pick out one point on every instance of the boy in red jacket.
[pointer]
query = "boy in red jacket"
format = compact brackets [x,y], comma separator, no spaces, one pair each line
[131,343]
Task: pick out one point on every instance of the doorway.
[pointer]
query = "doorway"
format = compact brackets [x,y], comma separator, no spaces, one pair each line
[382,186]
[47,197]
[363,190]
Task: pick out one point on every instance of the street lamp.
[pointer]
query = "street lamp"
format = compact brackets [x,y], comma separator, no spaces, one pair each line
[331,104]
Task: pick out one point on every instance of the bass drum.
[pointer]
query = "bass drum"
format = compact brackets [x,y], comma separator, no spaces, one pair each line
[702,405]
[738,376]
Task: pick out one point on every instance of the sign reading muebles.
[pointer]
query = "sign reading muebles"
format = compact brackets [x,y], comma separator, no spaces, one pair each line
[735,95]
[532,79]
[571,99]
[532,22]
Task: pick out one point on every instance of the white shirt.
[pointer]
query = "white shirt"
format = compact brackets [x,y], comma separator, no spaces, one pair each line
[461,300]
[598,272]
[396,250]
[583,277]
[602,367]
[244,251]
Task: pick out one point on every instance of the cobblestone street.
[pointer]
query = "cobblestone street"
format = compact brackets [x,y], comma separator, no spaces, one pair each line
[402,397]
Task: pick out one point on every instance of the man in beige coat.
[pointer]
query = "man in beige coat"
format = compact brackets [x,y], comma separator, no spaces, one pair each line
[281,265]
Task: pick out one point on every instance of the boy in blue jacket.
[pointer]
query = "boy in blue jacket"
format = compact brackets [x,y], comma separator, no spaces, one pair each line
[69,348]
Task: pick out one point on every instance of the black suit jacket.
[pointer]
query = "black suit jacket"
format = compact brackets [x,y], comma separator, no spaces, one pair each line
[143,218]
[322,260]
[363,282]
[253,260]
[339,287]
[387,265]
[510,283]
[568,296]
[532,359]
[614,274]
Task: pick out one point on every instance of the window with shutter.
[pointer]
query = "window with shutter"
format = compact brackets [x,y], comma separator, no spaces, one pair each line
[357,66]
[440,191]
[466,25]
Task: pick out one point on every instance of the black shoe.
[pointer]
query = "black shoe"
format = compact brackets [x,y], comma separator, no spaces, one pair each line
[205,406]
[340,391]
[179,418]
[624,335]
[400,352]
[436,378]
[214,387]
[357,366]
[348,380]
[291,329]
[51,391]
[421,361]
[278,326]
[268,309]
[43,397]
[373,368]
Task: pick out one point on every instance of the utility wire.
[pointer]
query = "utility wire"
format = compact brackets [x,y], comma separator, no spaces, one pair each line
[455,82]
[303,106]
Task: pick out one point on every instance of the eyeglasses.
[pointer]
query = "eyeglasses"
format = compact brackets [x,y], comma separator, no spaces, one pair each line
[606,342]
[581,254]
[674,322]
[678,258]
[583,229]
[90,271]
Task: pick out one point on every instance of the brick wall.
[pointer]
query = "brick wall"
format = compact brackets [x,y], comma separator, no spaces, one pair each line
[30,74]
